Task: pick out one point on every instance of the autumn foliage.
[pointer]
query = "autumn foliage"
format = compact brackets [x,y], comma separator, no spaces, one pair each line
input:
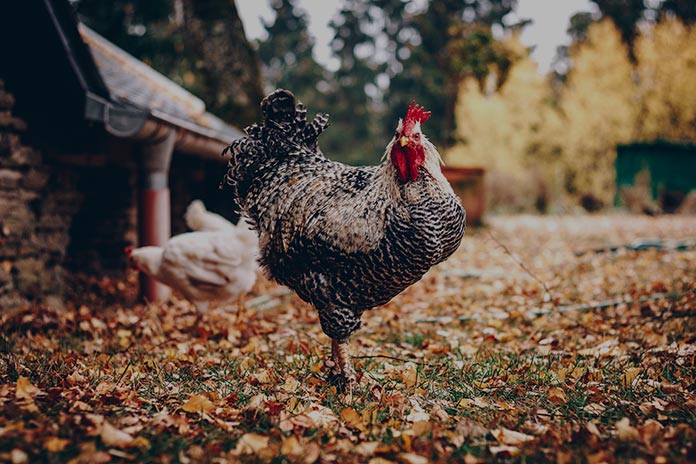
[532,343]
[548,142]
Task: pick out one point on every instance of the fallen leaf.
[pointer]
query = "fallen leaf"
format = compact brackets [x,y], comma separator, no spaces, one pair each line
[592,428]
[111,436]
[594,408]
[17,456]
[291,447]
[291,384]
[649,431]
[410,458]
[55,444]
[409,375]
[380,461]
[311,453]
[367,448]
[630,375]
[504,449]
[625,431]
[557,395]
[25,389]
[352,418]
[511,437]
[251,443]
[198,404]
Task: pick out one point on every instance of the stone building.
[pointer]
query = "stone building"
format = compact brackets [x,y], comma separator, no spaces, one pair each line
[97,151]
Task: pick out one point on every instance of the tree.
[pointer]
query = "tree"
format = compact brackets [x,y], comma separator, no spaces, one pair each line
[199,44]
[502,131]
[667,69]
[287,53]
[598,110]
[455,40]
[353,96]
[627,15]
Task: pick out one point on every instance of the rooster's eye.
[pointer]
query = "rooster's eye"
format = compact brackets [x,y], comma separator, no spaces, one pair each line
[417,136]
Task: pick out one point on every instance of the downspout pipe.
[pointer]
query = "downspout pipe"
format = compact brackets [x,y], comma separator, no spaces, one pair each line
[154,207]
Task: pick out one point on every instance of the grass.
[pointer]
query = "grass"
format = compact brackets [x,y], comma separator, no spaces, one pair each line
[445,391]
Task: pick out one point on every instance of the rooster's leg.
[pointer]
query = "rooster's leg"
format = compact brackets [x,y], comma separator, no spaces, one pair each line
[241,301]
[342,366]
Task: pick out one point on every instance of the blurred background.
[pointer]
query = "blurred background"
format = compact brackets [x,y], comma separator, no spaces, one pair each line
[538,93]
[113,114]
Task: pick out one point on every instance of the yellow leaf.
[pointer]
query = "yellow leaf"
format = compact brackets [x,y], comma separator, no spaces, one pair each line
[111,436]
[55,444]
[7,266]
[25,389]
[557,395]
[198,403]
[251,443]
[630,375]
[352,418]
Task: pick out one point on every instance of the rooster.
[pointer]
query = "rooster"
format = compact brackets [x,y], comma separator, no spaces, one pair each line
[345,239]
[215,263]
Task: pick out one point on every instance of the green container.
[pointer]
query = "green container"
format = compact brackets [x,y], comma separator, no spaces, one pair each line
[671,167]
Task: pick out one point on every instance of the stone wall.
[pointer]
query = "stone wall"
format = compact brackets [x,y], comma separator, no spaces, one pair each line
[65,215]
[36,210]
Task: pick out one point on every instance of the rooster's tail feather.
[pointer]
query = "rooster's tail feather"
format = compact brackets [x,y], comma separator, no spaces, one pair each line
[285,130]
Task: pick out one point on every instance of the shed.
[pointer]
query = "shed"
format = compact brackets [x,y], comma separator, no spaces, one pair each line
[97,151]
[667,168]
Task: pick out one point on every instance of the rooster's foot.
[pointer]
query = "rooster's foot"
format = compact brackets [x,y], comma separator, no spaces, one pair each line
[341,366]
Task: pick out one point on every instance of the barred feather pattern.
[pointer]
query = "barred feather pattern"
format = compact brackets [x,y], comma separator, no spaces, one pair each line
[345,239]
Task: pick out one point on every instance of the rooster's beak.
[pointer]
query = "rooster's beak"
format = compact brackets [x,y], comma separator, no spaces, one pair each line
[403,141]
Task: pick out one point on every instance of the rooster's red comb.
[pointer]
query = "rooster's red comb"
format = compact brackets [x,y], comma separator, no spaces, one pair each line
[416,113]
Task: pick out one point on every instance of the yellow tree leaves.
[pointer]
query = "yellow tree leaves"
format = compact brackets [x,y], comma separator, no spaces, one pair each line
[666,58]
[598,109]
[496,129]
[535,139]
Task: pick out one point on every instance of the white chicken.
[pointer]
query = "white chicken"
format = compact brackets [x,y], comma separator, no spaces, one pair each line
[214,264]
[198,218]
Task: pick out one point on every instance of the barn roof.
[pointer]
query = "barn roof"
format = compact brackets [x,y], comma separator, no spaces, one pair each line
[68,72]
[133,82]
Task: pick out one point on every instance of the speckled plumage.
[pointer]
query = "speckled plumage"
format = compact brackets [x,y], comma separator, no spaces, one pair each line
[345,239]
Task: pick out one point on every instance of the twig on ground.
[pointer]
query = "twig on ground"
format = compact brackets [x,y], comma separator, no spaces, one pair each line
[520,263]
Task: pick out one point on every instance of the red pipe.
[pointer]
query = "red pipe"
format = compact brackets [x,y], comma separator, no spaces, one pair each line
[155,229]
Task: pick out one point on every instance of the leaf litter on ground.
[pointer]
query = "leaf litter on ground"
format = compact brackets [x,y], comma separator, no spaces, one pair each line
[517,348]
